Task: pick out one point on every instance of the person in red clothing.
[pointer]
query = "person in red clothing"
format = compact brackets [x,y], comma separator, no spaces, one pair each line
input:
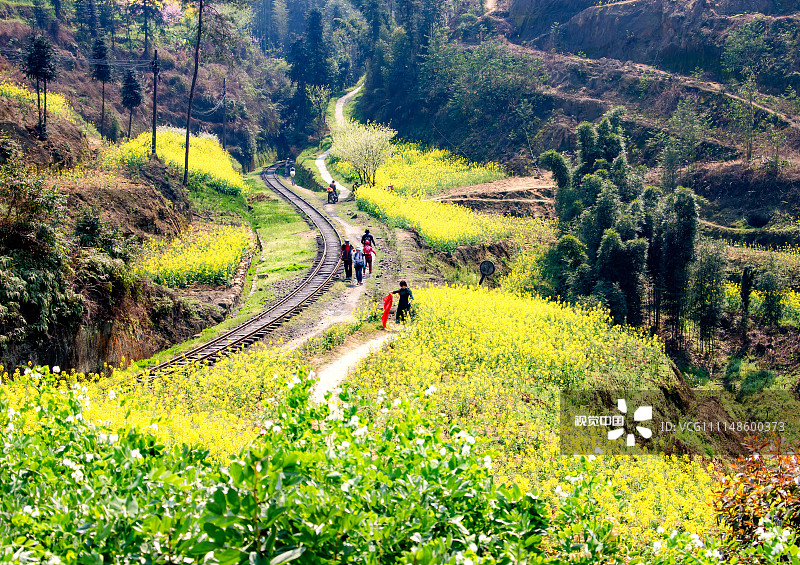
[368,252]
[347,259]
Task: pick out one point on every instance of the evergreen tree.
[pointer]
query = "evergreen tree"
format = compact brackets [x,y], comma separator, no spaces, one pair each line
[690,129]
[317,51]
[101,70]
[150,16]
[601,200]
[777,139]
[39,64]
[707,292]
[744,113]
[131,92]
[107,18]
[280,22]
[745,290]
[771,285]
[57,9]
[676,236]
[670,164]
[41,14]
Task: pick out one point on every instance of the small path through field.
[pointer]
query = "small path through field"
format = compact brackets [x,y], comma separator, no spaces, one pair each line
[338,113]
[342,308]
[332,374]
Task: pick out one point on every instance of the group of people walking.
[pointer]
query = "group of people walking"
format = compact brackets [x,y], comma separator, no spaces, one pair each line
[358,256]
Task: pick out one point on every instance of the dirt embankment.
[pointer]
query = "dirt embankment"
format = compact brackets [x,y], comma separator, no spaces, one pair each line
[741,195]
[678,35]
[64,147]
[514,196]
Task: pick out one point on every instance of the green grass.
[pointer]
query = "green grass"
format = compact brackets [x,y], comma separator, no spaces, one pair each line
[351,110]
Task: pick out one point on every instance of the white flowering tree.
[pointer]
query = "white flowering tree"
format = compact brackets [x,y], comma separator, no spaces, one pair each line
[365,146]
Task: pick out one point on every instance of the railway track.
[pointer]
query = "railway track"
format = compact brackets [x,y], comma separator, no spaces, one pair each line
[317,281]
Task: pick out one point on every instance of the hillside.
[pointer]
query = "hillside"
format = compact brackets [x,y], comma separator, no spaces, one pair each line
[567,330]
[253,86]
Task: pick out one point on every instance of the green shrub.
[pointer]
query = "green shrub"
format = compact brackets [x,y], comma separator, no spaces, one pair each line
[319,486]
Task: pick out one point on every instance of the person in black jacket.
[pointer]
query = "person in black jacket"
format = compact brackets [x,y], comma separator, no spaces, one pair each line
[404,306]
[367,238]
[347,259]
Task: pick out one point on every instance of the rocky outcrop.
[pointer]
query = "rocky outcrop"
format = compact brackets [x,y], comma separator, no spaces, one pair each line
[678,35]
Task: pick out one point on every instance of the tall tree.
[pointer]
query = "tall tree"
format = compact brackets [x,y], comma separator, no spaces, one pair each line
[101,70]
[746,50]
[670,164]
[280,21]
[677,234]
[39,64]
[107,14]
[707,292]
[131,95]
[690,129]
[57,8]
[366,146]
[771,284]
[745,291]
[315,64]
[150,16]
[777,139]
[191,89]
[744,113]
[41,14]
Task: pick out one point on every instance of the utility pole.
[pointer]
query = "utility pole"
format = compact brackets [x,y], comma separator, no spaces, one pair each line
[224,115]
[155,91]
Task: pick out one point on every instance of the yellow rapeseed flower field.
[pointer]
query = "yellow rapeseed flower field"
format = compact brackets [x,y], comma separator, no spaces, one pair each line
[57,105]
[497,362]
[790,302]
[413,170]
[208,161]
[207,255]
[443,226]
[420,172]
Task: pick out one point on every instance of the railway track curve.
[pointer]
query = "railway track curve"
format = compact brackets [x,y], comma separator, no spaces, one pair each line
[317,281]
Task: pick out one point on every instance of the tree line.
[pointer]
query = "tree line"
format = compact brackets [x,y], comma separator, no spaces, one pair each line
[40,63]
[635,248]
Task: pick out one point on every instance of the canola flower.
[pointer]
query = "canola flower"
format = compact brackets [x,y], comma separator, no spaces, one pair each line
[57,105]
[206,256]
[443,226]
[790,302]
[420,172]
[208,161]
[413,170]
[496,361]
[789,250]
[221,407]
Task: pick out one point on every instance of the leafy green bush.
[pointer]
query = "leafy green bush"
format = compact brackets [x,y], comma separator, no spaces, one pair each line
[319,486]
[36,299]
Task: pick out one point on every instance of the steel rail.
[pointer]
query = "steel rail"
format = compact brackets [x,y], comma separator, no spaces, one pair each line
[319,279]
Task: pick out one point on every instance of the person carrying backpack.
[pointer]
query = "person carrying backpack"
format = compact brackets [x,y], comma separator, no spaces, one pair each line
[367,238]
[359,262]
[291,174]
[347,259]
[333,196]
